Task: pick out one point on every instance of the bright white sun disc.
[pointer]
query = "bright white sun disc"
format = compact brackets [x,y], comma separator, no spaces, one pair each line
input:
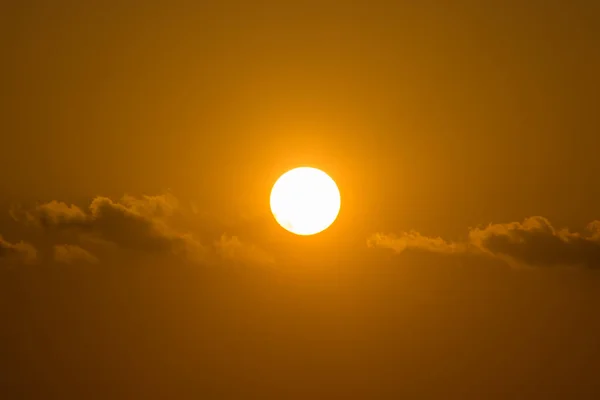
[305,201]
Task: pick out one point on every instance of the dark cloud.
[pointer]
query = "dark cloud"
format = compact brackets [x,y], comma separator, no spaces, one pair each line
[533,242]
[138,224]
[19,252]
[145,225]
[69,254]
[536,242]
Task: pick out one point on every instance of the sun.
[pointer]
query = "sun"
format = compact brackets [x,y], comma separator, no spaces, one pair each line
[305,201]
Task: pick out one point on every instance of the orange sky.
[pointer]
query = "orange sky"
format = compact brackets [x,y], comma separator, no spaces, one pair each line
[139,145]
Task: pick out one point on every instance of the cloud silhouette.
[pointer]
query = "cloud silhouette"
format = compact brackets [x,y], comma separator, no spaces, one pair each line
[17,252]
[145,225]
[69,254]
[533,242]
[138,224]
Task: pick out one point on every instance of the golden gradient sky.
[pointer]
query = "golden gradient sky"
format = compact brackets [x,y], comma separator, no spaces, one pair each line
[140,141]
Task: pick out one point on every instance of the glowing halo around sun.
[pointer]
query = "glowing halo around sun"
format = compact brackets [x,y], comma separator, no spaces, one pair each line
[305,201]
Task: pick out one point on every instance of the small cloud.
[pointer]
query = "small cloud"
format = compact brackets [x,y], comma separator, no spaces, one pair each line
[69,254]
[17,252]
[533,242]
[415,241]
[160,206]
[51,214]
[231,248]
